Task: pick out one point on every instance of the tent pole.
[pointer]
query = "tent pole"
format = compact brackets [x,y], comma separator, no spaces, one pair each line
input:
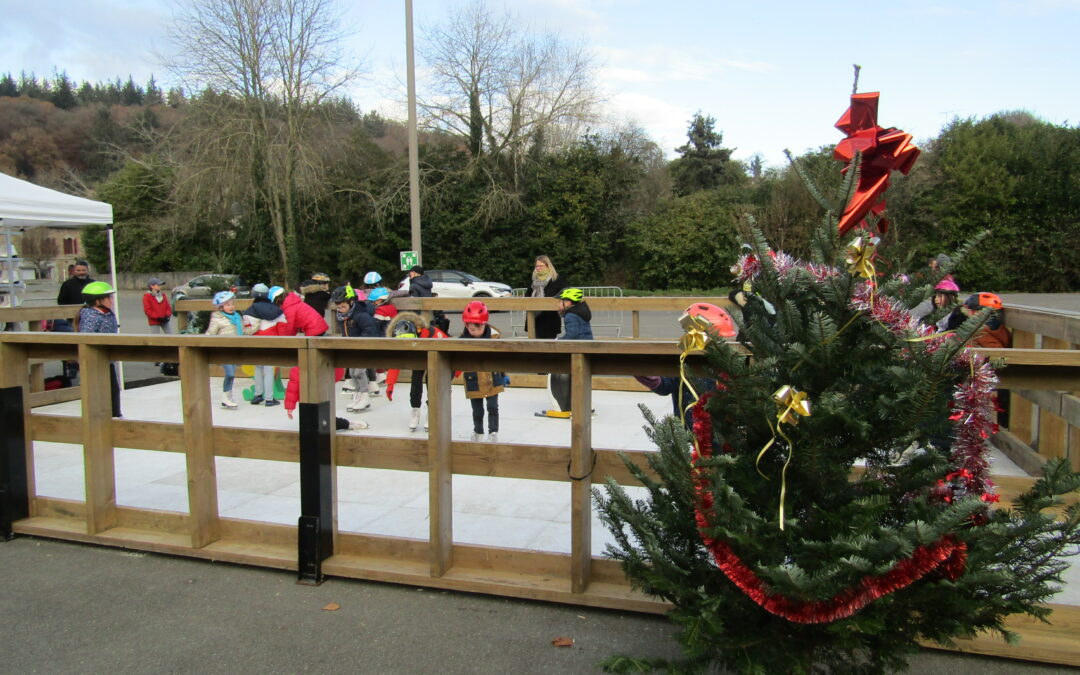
[116,296]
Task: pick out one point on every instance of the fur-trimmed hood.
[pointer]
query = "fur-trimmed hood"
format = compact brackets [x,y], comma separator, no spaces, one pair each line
[419,321]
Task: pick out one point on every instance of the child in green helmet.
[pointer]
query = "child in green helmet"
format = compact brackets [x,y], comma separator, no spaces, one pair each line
[576,315]
[97,316]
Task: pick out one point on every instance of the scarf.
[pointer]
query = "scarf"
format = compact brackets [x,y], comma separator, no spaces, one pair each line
[237,321]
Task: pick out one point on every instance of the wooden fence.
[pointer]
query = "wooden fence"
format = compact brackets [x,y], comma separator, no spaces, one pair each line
[315,547]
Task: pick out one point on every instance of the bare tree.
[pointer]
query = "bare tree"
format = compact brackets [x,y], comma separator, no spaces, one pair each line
[509,92]
[263,67]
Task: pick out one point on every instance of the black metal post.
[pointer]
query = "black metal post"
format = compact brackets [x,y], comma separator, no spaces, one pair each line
[315,540]
[14,491]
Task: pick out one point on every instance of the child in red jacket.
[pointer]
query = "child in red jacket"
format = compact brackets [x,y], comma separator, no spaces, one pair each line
[157,309]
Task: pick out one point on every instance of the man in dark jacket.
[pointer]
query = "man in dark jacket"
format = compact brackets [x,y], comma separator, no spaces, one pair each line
[71,292]
[419,283]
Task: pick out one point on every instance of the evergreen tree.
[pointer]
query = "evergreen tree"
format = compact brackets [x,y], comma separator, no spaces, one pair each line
[703,163]
[131,93]
[63,94]
[832,505]
[8,86]
[153,93]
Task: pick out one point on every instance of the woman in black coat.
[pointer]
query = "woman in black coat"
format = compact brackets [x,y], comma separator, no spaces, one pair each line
[546,284]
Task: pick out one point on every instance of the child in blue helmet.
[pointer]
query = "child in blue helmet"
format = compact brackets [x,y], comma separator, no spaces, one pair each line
[227,321]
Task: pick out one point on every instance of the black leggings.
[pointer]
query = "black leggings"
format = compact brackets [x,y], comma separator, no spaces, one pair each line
[114,381]
[416,389]
[478,414]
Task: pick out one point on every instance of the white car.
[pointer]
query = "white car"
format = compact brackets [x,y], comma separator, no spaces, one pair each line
[458,284]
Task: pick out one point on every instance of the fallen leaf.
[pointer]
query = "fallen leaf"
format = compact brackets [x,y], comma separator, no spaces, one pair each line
[563,642]
[580,616]
[332,607]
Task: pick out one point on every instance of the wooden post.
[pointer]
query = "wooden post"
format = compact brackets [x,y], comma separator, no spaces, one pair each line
[440,471]
[204,523]
[37,377]
[14,372]
[99,464]
[1053,431]
[581,466]
[182,317]
[636,322]
[1021,410]
[530,322]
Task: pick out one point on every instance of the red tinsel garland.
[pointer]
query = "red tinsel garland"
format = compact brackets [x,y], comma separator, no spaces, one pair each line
[947,555]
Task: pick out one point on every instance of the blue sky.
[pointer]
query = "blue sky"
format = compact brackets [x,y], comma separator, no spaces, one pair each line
[775,75]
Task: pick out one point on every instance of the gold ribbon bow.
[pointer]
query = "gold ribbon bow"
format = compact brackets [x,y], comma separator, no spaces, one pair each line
[859,257]
[792,403]
[694,340]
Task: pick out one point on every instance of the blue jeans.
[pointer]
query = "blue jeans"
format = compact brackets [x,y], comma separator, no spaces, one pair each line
[230,373]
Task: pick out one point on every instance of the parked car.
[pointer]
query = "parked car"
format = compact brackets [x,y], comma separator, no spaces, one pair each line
[204,286]
[458,284]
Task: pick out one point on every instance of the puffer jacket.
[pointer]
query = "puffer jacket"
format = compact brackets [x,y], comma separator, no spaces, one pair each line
[576,324]
[360,322]
[420,287]
[264,317]
[292,387]
[301,318]
[222,325]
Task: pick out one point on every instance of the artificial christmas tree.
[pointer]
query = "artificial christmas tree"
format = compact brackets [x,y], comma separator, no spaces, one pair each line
[832,505]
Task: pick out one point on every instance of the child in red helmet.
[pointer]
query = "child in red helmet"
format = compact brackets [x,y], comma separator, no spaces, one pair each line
[482,388]
[718,323]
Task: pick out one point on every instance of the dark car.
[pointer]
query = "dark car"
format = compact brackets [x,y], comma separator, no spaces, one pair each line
[204,286]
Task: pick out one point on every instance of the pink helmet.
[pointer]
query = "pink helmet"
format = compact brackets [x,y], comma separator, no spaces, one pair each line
[947,285]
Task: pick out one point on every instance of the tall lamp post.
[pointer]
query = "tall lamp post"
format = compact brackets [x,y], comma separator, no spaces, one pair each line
[414,155]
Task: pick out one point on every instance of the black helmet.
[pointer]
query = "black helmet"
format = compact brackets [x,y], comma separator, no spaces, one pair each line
[405,328]
[341,294]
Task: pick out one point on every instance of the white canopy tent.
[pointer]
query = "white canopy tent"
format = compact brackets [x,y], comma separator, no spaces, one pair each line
[24,205]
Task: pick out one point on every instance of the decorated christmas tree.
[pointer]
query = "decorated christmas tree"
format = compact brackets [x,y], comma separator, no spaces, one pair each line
[832,504]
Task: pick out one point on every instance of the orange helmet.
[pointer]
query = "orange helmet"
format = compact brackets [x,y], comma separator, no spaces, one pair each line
[475,312]
[715,316]
[980,300]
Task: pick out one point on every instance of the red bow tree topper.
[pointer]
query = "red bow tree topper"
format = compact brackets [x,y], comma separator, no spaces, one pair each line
[883,151]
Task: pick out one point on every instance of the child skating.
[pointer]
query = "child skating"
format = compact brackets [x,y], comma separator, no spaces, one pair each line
[482,389]
[226,321]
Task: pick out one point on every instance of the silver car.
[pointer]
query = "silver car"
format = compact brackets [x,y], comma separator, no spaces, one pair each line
[204,286]
[458,284]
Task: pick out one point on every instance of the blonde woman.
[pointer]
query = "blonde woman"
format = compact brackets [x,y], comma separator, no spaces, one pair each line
[546,284]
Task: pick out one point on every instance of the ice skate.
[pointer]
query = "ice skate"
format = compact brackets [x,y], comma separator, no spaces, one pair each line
[359,402]
[227,401]
[414,419]
[358,425]
[373,388]
[476,437]
[493,437]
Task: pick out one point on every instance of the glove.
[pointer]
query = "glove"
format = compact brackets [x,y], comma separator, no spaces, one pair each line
[390,393]
[650,381]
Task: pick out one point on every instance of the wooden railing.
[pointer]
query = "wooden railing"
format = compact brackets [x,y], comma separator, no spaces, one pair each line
[315,546]
[34,316]
[1044,408]
[633,305]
